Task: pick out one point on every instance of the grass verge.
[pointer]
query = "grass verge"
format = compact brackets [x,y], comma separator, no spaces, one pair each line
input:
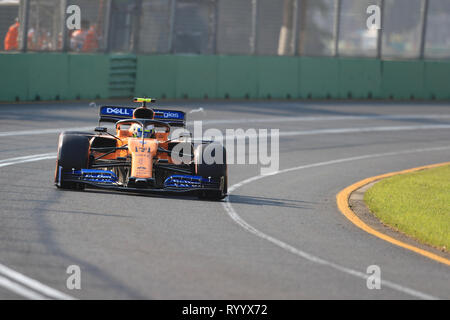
[417,204]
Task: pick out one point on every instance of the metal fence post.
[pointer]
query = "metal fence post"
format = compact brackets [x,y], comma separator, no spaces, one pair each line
[25,19]
[380,31]
[107,40]
[254,31]
[64,45]
[215,26]
[423,20]
[294,40]
[302,27]
[285,39]
[173,5]
[337,26]
[136,26]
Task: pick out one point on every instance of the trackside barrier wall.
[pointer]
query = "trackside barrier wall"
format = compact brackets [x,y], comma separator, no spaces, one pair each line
[53,76]
[191,76]
[13,77]
[403,79]
[60,76]
[88,76]
[437,80]
[319,78]
[156,76]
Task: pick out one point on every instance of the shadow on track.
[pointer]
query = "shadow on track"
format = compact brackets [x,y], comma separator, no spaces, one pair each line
[49,240]
[264,201]
[235,199]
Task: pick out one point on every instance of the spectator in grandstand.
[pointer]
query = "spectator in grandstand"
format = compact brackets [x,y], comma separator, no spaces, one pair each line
[78,37]
[11,39]
[31,38]
[91,41]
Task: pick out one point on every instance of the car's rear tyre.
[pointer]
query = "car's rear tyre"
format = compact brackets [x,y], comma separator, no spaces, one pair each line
[217,170]
[73,154]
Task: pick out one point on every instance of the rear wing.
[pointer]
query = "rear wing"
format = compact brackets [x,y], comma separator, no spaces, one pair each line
[172,117]
[113,114]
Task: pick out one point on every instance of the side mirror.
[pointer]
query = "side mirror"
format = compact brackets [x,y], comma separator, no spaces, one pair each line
[101,129]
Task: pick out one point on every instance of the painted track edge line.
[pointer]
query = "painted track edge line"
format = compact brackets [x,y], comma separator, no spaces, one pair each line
[17,280]
[234,216]
[237,219]
[343,205]
[33,284]
[20,290]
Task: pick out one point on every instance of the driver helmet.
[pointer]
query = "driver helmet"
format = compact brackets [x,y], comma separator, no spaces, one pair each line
[148,132]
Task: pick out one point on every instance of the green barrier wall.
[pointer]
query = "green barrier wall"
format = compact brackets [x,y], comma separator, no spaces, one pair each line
[359,78]
[47,76]
[156,75]
[196,77]
[13,77]
[437,80]
[319,78]
[402,80]
[278,78]
[53,76]
[237,77]
[88,76]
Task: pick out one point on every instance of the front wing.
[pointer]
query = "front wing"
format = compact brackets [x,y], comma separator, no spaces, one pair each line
[175,184]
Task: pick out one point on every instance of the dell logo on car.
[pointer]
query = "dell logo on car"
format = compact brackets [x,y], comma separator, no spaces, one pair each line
[119,111]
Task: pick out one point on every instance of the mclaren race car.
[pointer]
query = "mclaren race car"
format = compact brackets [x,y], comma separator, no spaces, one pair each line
[141,155]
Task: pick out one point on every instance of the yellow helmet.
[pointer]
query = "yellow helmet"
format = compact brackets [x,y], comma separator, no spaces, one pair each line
[148,132]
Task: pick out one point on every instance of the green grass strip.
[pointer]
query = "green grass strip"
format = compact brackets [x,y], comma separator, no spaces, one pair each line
[417,204]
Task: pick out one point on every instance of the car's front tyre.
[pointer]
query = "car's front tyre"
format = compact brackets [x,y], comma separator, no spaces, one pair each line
[215,168]
[73,154]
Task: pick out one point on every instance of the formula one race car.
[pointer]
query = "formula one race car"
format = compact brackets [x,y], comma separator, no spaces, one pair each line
[141,155]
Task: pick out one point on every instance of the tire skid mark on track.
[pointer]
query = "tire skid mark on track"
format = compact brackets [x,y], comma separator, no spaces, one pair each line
[314,259]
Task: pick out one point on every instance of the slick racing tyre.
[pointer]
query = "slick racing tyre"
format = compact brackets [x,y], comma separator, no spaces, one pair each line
[73,154]
[216,170]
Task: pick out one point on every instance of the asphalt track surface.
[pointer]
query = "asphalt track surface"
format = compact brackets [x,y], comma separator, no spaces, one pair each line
[276,237]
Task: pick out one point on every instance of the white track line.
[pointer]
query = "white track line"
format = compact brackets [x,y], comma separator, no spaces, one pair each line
[45,156]
[18,277]
[340,131]
[32,158]
[253,120]
[236,218]
[20,290]
[59,295]
[363,130]
[326,118]
[40,131]
[33,284]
